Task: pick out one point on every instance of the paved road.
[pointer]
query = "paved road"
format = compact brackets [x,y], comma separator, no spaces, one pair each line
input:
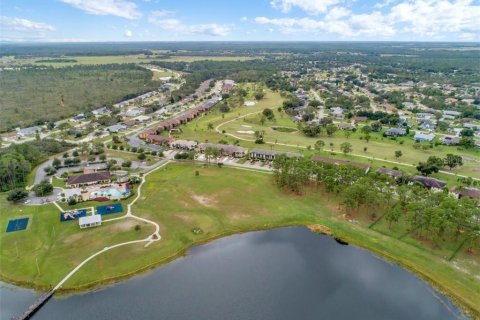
[33,200]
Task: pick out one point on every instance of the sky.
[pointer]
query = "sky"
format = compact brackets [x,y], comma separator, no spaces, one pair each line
[239,20]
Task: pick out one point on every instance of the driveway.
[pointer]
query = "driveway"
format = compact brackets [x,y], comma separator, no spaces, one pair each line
[32,199]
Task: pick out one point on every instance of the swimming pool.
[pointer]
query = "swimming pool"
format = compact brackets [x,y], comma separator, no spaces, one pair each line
[109,192]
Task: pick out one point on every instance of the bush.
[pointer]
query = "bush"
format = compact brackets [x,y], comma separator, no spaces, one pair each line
[42,189]
[141,156]
[72,201]
[16,195]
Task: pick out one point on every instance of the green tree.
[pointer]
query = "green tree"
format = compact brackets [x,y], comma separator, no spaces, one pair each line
[453,160]
[398,154]
[346,147]
[331,129]
[42,189]
[319,144]
[17,195]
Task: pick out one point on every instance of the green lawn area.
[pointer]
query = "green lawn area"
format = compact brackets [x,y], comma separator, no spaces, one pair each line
[182,202]
[92,60]
[57,246]
[378,148]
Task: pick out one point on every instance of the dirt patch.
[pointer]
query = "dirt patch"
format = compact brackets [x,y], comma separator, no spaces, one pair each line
[238,215]
[73,238]
[204,201]
[125,225]
[318,228]
[184,218]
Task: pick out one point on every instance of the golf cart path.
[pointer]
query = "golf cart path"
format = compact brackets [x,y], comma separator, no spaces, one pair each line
[217,129]
[155,236]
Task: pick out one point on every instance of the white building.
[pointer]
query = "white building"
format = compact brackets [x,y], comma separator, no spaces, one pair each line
[90,221]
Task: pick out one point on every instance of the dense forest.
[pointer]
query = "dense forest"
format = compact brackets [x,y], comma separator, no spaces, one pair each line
[33,96]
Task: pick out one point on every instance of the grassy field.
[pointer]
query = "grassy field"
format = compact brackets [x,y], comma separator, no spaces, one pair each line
[57,246]
[209,203]
[378,148]
[194,209]
[96,60]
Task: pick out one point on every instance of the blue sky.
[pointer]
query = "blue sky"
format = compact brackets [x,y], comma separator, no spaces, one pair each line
[256,20]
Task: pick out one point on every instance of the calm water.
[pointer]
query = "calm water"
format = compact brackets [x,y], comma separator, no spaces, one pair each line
[287,273]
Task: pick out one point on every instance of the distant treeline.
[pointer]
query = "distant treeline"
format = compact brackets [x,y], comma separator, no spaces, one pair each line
[58,60]
[35,95]
[234,48]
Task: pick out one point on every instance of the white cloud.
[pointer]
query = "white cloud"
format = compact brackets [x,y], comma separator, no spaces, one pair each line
[437,17]
[24,25]
[128,33]
[309,6]
[172,24]
[119,8]
[415,19]
[244,19]
[339,21]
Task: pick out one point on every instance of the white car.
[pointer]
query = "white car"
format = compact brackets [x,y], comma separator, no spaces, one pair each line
[27,201]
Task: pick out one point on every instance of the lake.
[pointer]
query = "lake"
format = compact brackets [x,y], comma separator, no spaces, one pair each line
[286,273]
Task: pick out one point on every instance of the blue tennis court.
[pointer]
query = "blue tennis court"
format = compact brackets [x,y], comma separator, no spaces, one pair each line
[72,214]
[17,224]
[109,209]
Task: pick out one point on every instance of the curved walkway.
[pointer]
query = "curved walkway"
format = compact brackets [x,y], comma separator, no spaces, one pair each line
[217,129]
[155,236]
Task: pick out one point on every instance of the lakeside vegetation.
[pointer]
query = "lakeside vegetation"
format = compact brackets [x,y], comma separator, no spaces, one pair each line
[193,209]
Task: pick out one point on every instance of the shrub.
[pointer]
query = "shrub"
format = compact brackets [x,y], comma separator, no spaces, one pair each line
[16,195]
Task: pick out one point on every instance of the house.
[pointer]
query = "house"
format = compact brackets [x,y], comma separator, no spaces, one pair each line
[142,118]
[90,221]
[423,137]
[395,174]
[450,140]
[78,118]
[337,113]
[408,105]
[429,183]
[226,149]
[339,162]
[88,179]
[227,86]
[465,192]
[359,119]
[26,132]
[184,144]
[259,154]
[425,115]
[346,126]
[451,113]
[395,132]
[100,111]
[157,139]
[134,112]
[116,128]
[426,124]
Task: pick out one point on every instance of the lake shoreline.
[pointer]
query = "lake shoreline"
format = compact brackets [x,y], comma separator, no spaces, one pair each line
[437,285]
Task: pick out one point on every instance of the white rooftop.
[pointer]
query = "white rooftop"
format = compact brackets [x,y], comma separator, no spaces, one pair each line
[96,218]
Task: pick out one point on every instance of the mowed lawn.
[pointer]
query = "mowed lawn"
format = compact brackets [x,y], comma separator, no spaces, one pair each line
[58,247]
[242,119]
[193,209]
